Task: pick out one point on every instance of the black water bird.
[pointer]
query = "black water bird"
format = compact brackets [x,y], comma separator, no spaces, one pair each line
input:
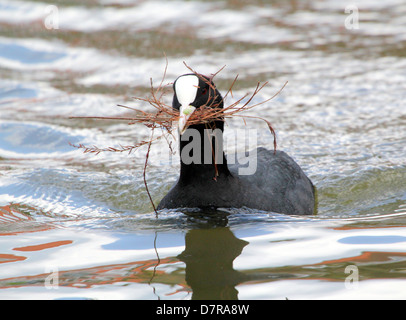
[278,184]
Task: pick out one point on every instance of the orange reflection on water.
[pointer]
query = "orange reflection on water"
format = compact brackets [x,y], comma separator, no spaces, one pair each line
[142,271]
[367,256]
[10,213]
[4,258]
[43,246]
[14,213]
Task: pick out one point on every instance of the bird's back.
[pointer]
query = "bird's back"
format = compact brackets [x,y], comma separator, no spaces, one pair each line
[277,184]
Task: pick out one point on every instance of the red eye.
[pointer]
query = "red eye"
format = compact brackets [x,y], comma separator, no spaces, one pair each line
[204,91]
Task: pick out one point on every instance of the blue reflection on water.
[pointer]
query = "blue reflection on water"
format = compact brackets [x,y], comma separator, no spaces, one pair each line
[18,91]
[23,54]
[372,239]
[145,241]
[31,138]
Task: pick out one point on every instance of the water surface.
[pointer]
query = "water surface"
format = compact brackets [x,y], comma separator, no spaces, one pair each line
[76,225]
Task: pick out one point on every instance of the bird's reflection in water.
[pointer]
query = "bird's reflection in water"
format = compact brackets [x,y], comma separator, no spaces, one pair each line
[209,256]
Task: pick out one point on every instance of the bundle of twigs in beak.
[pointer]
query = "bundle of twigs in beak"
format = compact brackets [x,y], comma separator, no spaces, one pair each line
[164,115]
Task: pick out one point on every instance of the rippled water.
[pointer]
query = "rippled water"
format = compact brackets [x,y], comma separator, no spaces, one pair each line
[75,225]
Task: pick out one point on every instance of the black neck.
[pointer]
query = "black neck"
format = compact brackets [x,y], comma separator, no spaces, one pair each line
[201,153]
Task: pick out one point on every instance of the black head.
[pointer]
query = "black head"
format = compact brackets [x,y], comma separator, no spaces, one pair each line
[192,91]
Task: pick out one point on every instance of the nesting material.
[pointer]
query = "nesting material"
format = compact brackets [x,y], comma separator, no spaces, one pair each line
[164,115]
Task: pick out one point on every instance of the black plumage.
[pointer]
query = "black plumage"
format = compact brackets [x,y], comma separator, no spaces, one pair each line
[277,185]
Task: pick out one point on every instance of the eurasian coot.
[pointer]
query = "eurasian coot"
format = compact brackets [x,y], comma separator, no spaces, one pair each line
[207,181]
